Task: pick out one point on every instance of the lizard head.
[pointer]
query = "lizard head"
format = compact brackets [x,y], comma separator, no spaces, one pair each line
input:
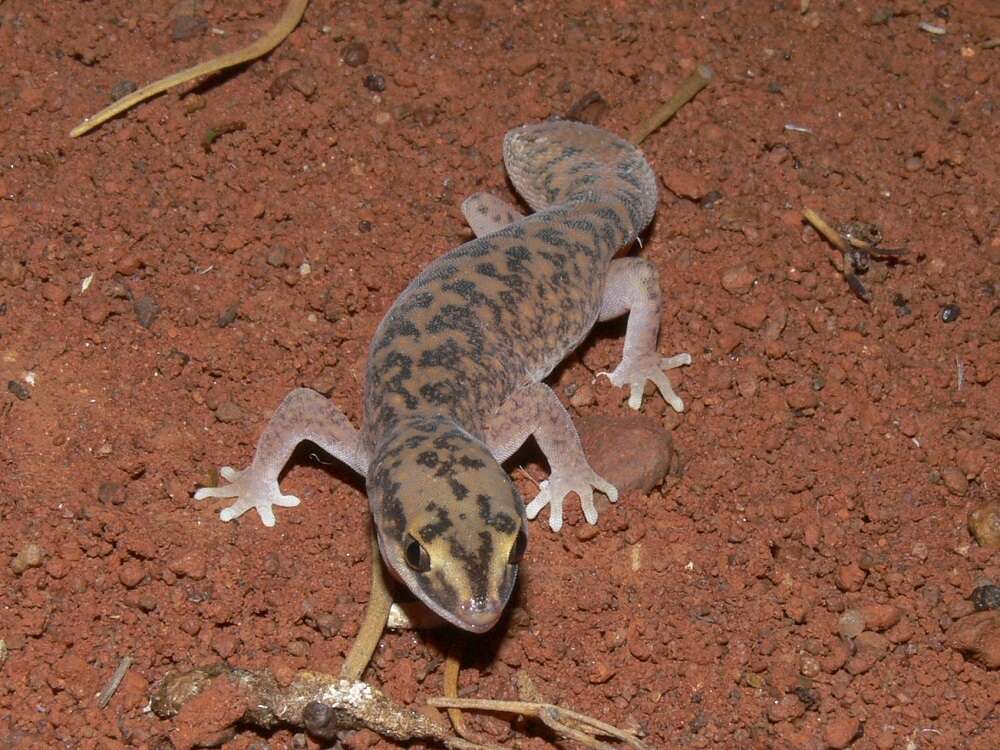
[450,523]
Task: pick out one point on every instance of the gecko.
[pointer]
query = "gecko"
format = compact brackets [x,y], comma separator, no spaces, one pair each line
[454,382]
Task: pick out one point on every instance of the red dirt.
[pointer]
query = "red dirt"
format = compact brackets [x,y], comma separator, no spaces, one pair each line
[831,451]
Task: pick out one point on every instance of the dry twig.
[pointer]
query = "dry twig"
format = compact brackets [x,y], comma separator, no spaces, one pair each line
[288,21]
[694,83]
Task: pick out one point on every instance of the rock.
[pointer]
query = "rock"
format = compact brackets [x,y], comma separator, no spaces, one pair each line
[977,637]
[632,452]
[355,54]
[986,597]
[851,624]
[19,389]
[850,577]
[954,479]
[984,524]
[839,732]
[738,280]
[684,184]
[802,397]
[836,658]
[146,311]
[187,27]
[55,293]
[582,396]
[29,556]
[522,64]
[466,14]
[788,707]
[879,617]
[131,574]
[191,564]
[751,316]
[228,412]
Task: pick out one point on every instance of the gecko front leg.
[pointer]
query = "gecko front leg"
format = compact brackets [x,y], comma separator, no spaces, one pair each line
[303,415]
[633,287]
[536,410]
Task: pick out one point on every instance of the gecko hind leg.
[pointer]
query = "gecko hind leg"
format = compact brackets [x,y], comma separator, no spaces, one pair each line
[303,415]
[633,287]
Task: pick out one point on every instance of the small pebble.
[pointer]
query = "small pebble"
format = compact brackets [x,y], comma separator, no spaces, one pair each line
[355,54]
[30,556]
[879,617]
[55,293]
[738,280]
[841,731]
[850,578]
[228,412]
[320,720]
[521,65]
[851,624]
[977,637]
[950,313]
[711,199]
[227,316]
[224,644]
[131,574]
[19,389]
[786,708]
[986,597]
[374,82]
[583,396]
[984,524]
[801,397]
[122,88]
[466,14]
[146,311]
[684,184]
[187,27]
[111,493]
[954,479]
[192,565]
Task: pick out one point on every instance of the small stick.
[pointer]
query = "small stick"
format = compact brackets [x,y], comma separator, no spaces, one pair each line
[370,633]
[109,690]
[452,668]
[695,82]
[288,21]
[547,713]
[834,237]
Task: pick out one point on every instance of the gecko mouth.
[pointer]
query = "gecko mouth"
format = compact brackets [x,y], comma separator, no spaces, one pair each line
[477,614]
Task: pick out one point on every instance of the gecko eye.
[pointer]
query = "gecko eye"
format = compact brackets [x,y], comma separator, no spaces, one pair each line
[517,551]
[416,556]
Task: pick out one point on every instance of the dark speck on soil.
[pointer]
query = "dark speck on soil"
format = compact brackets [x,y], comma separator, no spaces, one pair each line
[19,389]
[375,82]
[986,597]
[950,313]
[187,27]
[146,311]
[355,54]
[122,88]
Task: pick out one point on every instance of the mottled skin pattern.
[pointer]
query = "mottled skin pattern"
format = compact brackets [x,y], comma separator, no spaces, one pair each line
[454,375]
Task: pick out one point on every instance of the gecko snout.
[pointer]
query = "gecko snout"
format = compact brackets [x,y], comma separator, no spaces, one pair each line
[480,613]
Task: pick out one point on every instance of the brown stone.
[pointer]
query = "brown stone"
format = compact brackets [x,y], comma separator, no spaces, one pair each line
[632,452]
[977,637]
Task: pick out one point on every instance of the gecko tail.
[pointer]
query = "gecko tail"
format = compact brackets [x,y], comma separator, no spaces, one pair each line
[561,161]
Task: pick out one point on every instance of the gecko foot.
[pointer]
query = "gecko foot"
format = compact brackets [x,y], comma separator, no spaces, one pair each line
[636,371]
[250,491]
[553,491]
